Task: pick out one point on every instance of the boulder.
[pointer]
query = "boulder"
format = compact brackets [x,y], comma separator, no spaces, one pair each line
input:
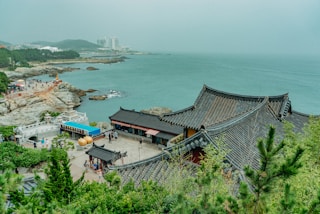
[98,97]
[3,108]
[157,110]
[90,68]
[91,90]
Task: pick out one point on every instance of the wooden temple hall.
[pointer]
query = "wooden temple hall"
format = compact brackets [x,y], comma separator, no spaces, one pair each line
[238,120]
[148,126]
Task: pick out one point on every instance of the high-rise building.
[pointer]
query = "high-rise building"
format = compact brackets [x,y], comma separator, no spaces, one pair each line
[111,43]
[115,43]
[104,42]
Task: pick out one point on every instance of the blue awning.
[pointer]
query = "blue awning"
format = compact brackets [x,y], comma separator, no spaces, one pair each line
[81,128]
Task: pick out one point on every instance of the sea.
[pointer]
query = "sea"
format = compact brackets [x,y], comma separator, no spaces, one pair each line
[174,80]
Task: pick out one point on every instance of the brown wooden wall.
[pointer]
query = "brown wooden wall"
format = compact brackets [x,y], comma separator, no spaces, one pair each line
[190,132]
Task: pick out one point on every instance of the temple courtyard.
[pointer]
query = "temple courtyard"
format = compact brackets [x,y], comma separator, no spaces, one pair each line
[135,152]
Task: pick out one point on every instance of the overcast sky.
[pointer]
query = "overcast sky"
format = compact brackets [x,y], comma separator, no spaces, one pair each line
[221,26]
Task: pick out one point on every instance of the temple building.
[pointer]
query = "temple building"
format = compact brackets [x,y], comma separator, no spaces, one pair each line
[238,120]
[145,125]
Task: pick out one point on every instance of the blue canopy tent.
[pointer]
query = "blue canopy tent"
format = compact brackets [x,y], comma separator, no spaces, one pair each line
[80,128]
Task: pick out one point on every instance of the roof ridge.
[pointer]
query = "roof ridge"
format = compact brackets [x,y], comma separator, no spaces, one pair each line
[134,111]
[177,112]
[236,120]
[161,156]
[233,95]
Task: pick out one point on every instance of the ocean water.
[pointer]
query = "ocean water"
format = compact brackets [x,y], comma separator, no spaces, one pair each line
[175,80]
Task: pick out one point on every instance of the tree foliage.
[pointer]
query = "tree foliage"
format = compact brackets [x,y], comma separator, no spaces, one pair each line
[62,141]
[9,183]
[275,187]
[51,113]
[21,57]
[13,156]
[4,57]
[273,166]
[7,132]
[4,82]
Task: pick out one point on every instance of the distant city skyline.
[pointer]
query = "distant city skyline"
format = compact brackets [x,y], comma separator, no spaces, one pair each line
[109,42]
[219,26]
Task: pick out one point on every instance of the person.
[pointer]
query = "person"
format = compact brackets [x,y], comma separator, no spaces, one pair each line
[115,134]
[99,172]
[42,142]
[34,144]
[110,137]
[47,142]
[86,165]
[140,140]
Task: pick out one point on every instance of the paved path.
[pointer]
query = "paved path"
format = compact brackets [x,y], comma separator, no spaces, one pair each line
[135,152]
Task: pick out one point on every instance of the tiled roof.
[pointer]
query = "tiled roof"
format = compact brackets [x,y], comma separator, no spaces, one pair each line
[29,184]
[240,138]
[214,107]
[239,122]
[103,154]
[157,168]
[145,120]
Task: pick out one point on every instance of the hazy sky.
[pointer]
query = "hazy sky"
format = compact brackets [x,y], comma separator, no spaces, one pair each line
[222,26]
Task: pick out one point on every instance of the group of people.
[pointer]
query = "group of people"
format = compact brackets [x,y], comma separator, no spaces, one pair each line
[112,135]
[44,143]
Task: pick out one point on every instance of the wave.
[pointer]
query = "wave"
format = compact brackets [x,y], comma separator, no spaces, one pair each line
[114,93]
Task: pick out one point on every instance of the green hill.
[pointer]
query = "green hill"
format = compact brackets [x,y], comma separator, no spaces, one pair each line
[44,43]
[71,44]
[5,43]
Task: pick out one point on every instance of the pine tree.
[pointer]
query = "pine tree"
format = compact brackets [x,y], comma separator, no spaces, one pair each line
[59,185]
[288,201]
[270,169]
[9,182]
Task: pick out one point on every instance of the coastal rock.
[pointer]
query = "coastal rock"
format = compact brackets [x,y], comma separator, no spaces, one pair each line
[104,125]
[21,103]
[91,90]
[3,109]
[26,109]
[98,97]
[22,72]
[90,68]
[157,110]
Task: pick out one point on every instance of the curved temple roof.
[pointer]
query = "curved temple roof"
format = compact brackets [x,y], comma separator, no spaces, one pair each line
[238,120]
[213,107]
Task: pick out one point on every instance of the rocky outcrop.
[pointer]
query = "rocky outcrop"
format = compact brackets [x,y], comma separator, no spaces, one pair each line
[157,110]
[90,90]
[25,109]
[22,72]
[90,68]
[98,97]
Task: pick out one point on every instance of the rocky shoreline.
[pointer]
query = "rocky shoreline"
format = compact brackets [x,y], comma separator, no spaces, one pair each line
[25,107]
[23,73]
[52,69]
